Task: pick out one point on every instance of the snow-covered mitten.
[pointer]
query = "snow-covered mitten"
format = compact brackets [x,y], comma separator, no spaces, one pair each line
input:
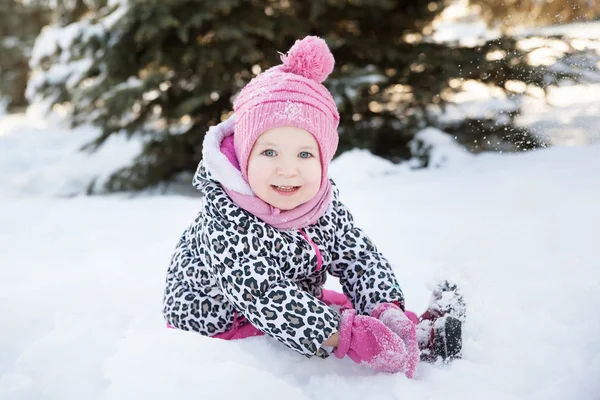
[439,331]
[367,341]
[394,318]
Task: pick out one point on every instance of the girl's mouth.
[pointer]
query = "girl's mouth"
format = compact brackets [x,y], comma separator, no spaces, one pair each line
[285,190]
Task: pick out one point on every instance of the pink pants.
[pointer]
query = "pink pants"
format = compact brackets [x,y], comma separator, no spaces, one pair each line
[242,328]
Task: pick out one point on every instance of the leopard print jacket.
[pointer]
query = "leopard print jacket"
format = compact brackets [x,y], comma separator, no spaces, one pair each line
[228,262]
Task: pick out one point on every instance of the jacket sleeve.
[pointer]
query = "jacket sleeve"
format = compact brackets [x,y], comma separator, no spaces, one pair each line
[365,274]
[253,282]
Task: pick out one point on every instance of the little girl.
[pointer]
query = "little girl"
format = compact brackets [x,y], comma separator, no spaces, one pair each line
[272,227]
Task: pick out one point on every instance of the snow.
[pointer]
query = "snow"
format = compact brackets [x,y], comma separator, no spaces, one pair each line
[370,166]
[120,9]
[580,30]
[60,43]
[57,41]
[476,100]
[9,42]
[41,156]
[439,147]
[55,37]
[81,279]
[461,24]
[568,116]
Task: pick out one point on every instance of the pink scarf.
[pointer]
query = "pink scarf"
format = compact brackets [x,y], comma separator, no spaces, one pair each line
[305,214]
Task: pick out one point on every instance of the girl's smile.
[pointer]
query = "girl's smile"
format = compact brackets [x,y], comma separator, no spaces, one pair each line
[285,190]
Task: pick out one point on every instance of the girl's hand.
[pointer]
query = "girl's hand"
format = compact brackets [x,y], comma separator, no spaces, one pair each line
[367,341]
[396,320]
[333,341]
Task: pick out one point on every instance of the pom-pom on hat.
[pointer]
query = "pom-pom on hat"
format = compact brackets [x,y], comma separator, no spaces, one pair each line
[290,94]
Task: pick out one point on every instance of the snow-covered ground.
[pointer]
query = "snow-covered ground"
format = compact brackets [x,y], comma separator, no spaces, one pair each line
[40,156]
[81,279]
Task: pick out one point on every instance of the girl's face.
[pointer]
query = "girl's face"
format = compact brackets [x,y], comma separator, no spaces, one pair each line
[284,168]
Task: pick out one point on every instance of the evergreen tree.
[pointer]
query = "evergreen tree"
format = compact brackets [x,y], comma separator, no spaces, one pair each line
[168,69]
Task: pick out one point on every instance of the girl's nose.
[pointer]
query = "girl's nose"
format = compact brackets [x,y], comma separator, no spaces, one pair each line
[287,169]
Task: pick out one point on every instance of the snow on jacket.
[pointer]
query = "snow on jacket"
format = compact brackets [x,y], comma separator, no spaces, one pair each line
[229,262]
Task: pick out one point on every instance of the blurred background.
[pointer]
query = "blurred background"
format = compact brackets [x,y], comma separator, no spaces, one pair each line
[469,151]
[470,75]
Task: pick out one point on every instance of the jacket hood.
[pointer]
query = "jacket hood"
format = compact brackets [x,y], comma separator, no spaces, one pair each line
[215,166]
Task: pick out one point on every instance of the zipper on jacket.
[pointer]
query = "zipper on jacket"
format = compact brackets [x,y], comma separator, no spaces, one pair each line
[315,248]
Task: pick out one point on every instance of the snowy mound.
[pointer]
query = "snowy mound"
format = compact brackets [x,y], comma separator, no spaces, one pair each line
[358,165]
[40,157]
[81,284]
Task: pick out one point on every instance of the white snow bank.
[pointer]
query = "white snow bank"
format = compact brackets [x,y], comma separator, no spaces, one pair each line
[39,156]
[81,285]
[439,147]
[579,30]
[569,115]
[357,165]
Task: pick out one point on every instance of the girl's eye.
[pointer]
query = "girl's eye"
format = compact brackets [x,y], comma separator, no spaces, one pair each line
[305,154]
[269,153]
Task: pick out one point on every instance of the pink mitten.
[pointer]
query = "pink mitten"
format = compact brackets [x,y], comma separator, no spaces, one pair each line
[369,342]
[394,318]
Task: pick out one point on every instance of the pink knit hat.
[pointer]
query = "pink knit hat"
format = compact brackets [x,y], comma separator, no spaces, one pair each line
[290,94]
